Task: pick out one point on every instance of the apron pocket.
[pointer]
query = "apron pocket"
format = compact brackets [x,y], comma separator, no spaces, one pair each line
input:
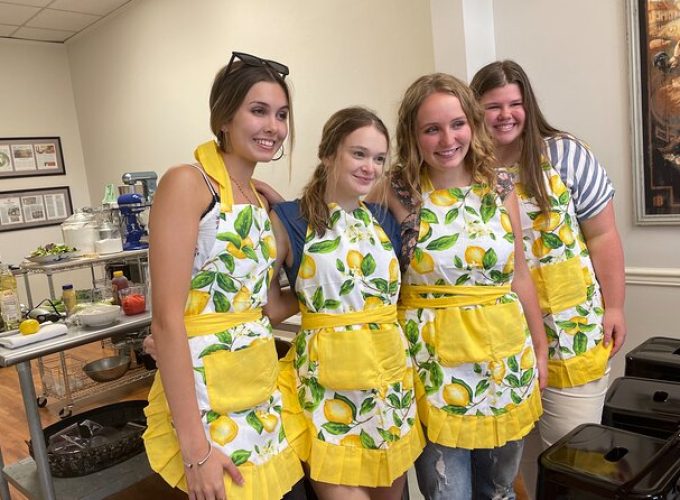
[237,380]
[560,286]
[360,359]
[486,333]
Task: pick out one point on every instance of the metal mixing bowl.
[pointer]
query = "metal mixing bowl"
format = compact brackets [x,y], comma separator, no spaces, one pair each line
[107,369]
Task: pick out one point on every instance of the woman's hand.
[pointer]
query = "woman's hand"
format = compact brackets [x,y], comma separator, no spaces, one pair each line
[270,194]
[542,366]
[206,481]
[149,346]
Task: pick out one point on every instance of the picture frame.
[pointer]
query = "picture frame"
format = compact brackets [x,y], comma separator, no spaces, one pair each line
[31,156]
[30,208]
[654,60]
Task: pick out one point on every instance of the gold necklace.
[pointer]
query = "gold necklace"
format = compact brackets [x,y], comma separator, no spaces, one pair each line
[240,188]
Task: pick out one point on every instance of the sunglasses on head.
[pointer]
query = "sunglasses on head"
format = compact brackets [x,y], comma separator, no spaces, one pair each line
[252,60]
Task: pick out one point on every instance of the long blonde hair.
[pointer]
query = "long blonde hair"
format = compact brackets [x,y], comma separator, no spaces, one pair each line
[313,206]
[480,158]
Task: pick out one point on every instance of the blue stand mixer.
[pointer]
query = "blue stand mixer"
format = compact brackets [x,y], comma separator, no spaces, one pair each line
[131,205]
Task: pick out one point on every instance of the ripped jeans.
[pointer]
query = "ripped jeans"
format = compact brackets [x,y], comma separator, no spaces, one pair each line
[457,474]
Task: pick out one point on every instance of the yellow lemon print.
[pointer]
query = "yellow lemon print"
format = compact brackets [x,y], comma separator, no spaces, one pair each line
[578,320]
[566,235]
[270,243]
[394,269]
[527,359]
[587,276]
[510,406]
[423,265]
[372,303]
[241,300]
[352,440]
[423,230]
[337,411]
[539,249]
[395,431]
[474,256]
[354,260]
[556,185]
[456,395]
[428,332]
[268,420]
[505,222]
[510,263]
[381,235]
[223,430]
[307,267]
[543,223]
[519,189]
[238,252]
[196,302]
[407,381]
[443,198]
[480,189]
[497,370]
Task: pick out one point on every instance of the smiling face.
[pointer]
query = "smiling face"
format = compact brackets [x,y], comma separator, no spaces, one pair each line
[504,114]
[444,133]
[260,124]
[356,165]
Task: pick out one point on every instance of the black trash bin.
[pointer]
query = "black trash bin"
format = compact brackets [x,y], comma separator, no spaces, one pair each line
[657,357]
[595,462]
[647,406]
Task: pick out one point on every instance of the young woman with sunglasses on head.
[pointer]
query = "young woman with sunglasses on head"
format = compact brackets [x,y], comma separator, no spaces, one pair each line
[572,247]
[214,414]
[465,295]
[347,382]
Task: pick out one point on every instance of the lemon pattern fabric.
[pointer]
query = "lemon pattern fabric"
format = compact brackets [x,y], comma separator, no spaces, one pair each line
[349,401]
[569,294]
[234,360]
[477,383]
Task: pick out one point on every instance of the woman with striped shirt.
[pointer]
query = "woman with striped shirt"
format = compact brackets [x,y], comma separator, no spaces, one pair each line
[572,247]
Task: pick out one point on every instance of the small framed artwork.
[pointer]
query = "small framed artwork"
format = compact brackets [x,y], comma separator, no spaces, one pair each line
[654,38]
[28,208]
[29,156]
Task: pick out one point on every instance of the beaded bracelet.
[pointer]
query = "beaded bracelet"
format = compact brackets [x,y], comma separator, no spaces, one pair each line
[203,460]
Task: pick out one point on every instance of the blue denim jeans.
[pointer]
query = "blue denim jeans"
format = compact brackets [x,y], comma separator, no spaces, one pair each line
[456,474]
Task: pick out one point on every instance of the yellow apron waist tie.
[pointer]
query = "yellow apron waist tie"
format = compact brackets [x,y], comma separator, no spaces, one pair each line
[206,324]
[359,359]
[476,334]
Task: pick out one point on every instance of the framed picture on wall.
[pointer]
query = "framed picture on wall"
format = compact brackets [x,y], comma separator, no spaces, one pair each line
[654,36]
[29,208]
[29,156]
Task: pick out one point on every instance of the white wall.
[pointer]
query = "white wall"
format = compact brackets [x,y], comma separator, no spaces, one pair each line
[36,99]
[142,79]
[576,56]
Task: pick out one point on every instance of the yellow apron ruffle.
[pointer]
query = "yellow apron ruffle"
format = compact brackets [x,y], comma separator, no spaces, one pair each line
[268,481]
[579,370]
[472,431]
[298,433]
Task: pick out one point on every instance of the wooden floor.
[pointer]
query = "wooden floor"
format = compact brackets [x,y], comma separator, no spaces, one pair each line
[15,430]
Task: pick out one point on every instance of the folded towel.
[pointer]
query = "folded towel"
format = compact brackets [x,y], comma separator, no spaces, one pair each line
[47,331]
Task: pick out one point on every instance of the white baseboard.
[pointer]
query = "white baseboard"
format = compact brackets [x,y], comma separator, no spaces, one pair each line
[653,276]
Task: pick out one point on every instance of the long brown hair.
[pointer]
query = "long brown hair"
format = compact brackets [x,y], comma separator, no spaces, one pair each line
[480,158]
[229,90]
[536,127]
[313,206]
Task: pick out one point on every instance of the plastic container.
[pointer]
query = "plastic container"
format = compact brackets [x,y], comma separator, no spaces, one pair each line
[647,406]
[594,461]
[133,300]
[118,282]
[81,230]
[68,297]
[657,358]
[9,299]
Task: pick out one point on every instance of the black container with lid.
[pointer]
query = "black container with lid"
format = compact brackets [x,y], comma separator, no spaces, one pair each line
[594,462]
[657,357]
[647,406]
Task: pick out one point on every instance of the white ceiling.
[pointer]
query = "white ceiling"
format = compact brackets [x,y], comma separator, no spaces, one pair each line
[52,20]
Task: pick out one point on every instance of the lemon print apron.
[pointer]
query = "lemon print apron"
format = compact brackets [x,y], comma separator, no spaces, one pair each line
[568,293]
[233,355]
[347,382]
[477,383]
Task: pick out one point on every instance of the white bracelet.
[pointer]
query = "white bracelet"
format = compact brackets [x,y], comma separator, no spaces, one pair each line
[203,460]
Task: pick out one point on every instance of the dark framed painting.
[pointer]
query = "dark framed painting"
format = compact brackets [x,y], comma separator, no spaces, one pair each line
[29,208]
[654,39]
[31,156]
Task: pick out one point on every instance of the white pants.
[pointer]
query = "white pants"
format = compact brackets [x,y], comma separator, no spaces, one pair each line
[563,409]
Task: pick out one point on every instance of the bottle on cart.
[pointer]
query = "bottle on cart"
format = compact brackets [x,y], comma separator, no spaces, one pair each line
[68,297]
[118,282]
[9,299]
